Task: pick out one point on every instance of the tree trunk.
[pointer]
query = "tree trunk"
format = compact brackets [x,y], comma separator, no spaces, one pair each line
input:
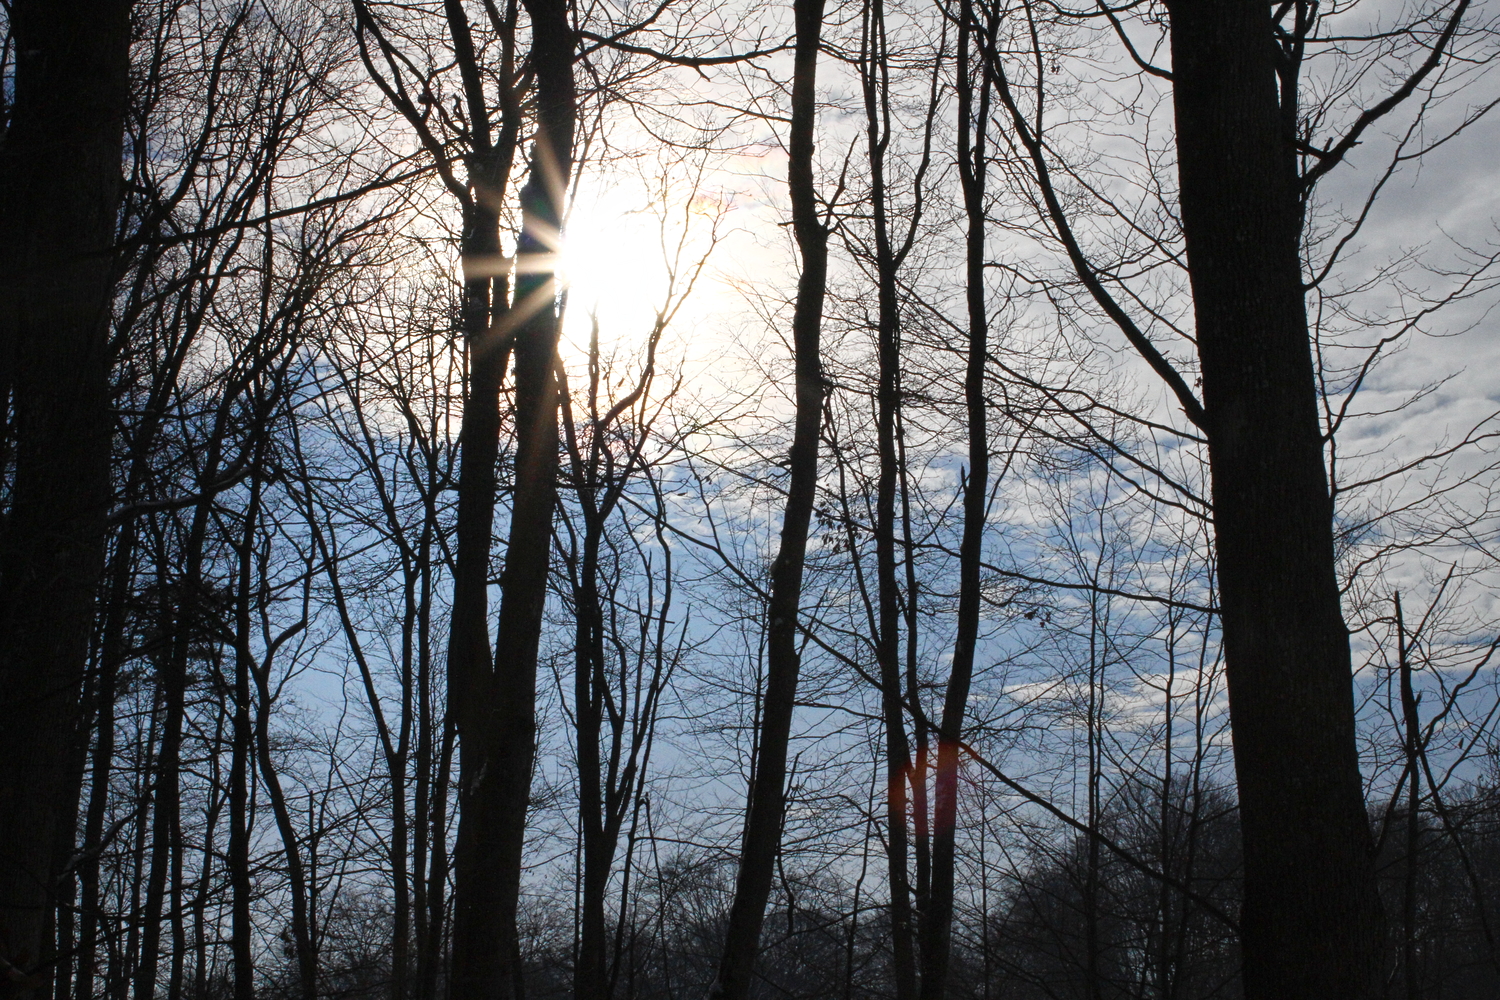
[1311,923]
[65,870]
[767,800]
[439,901]
[938,917]
[495,709]
[240,763]
[874,77]
[1409,970]
[599,834]
[431,792]
[240,886]
[59,192]
[304,936]
[300,883]
[165,792]
[111,655]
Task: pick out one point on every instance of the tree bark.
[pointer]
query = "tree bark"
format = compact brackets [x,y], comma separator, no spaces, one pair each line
[938,916]
[767,800]
[60,185]
[874,77]
[1311,922]
[495,708]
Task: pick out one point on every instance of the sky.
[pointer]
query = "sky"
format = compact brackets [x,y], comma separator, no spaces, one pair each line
[1439,215]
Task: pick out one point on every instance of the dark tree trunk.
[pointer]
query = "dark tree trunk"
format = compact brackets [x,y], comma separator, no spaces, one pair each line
[429,815]
[210,851]
[495,708]
[938,916]
[599,794]
[599,831]
[400,818]
[101,761]
[240,886]
[767,799]
[240,764]
[921,813]
[1311,923]
[469,658]
[438,867]
[1409,971]
[60,185]
[64,866]
[875,80]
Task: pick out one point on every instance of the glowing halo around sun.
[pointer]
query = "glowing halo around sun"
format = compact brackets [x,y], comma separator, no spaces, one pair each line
[618,251]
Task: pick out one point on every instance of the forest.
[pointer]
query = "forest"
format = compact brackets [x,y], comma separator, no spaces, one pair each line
[691,500]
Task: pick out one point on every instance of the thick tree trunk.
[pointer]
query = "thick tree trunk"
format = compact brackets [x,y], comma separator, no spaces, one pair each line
[470,667]
[480,935]
[482,932]
[495,708]
[1311,923]
[767,800]
[59,192]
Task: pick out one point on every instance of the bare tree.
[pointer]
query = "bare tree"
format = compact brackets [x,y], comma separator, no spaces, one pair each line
[495,709]
[766,804]
[1311,923]
[60,174]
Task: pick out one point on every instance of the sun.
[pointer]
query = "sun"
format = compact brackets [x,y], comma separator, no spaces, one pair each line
[640,251]
[611,265]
